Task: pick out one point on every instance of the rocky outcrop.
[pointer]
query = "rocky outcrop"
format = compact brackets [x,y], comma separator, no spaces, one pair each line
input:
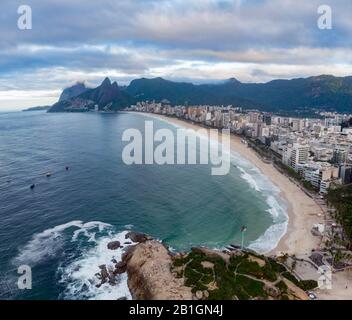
[120,267]
[155,273]
[138,237]
[105,275]
[114,245]
[148,266]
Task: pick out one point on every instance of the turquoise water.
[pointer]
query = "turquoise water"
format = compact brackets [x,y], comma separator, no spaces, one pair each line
[183,206]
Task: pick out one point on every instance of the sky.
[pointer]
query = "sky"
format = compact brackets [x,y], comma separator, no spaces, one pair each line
[200,41]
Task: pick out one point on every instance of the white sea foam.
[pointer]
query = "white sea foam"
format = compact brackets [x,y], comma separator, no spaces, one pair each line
[277,206]
[79,278]
[249,179]
[46,244]
[268,241]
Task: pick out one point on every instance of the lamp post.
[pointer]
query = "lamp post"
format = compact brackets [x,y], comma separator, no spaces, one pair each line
[243,230]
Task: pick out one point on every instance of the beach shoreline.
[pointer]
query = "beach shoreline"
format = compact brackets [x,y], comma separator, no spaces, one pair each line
[302,211]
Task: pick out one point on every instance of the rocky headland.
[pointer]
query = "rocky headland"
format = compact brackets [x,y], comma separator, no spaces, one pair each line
[155,273]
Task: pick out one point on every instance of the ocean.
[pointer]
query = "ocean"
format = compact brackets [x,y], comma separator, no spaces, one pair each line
[60,229]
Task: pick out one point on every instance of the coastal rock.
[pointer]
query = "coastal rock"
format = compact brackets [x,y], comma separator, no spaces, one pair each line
[104,274]
[120,267]
[138,237]
[128,251]
[114,245]
[150,276]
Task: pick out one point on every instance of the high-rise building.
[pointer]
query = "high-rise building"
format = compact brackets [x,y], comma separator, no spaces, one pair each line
[346,174]
[267,119]
[295,154]
[339,156]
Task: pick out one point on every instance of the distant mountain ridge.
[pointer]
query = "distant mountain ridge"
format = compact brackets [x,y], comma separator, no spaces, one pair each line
[38,108]
[323,92]
[73,91]
[326,92]
[107,97]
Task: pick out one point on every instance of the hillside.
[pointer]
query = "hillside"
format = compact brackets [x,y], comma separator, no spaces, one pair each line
[321,92]
[107,97]
[296,96]
[155,273]
[73,91]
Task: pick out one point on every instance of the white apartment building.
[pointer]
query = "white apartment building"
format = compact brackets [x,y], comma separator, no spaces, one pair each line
[294,155]
[319,174]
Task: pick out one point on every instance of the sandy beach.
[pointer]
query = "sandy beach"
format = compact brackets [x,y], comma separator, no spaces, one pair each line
[302,210]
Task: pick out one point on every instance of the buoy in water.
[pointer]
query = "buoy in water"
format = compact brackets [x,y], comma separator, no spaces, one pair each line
[67,168]
[32,186]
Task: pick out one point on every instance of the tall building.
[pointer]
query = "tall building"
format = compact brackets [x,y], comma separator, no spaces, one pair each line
[254,117]
[346,174]
[339,156]
[295,154]
[267,119]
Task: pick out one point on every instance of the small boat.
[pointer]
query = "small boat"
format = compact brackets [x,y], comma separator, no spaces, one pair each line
[32,186]
[48,174]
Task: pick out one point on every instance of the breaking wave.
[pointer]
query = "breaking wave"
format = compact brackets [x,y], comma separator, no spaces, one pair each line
[48,243]
[79,276]
[277,206]
[77,271]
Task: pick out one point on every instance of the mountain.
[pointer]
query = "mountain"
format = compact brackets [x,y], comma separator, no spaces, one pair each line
[107,96]
[321,92]
[39,108]
[183,92]
[73,91]
[296,96]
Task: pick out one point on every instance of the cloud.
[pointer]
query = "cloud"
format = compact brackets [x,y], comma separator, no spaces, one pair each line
[202,40]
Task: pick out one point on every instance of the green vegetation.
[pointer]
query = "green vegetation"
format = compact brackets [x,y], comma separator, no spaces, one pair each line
[243,276]
[301,97]
[341,199]
[305,285]
[245,266]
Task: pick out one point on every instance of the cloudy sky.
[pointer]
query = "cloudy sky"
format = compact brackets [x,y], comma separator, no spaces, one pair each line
[194,40]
